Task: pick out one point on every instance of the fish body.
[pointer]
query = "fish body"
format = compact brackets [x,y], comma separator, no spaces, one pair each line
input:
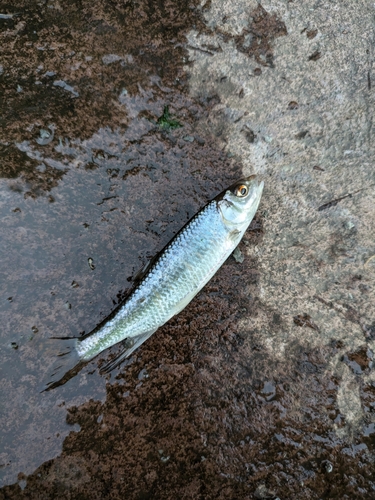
[187,263]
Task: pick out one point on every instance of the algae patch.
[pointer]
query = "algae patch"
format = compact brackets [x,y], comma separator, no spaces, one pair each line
[166,121]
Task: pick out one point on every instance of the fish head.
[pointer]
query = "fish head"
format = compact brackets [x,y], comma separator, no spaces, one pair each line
[238,203]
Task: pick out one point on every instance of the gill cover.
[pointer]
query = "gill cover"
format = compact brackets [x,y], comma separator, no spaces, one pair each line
[238,204]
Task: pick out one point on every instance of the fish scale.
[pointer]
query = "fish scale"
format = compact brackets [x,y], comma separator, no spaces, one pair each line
[183,269]
[180,272]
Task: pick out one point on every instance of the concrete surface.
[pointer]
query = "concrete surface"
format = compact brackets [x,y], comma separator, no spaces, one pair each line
[316,156]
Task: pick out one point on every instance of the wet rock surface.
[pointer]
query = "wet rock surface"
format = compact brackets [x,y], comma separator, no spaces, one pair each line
[120,120]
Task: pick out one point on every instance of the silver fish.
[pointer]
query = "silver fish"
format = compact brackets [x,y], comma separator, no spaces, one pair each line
[184,267]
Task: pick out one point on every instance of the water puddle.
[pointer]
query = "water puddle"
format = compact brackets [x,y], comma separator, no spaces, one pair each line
[83,208]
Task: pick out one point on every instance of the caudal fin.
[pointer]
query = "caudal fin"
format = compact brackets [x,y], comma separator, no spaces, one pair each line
[67,362]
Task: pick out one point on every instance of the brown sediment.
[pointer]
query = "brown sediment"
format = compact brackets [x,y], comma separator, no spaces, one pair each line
[256,40]
[263,30]
[203,412]
[72,66]
[98,49]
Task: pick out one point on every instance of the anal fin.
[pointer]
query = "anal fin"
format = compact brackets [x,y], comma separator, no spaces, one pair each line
[127,351]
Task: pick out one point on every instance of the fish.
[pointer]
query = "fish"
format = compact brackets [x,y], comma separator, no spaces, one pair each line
[170,281]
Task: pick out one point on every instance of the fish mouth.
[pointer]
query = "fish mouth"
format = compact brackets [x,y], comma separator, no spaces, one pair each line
[257,190]
[252,200]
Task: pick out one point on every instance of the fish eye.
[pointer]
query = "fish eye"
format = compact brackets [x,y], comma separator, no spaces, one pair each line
[241,190]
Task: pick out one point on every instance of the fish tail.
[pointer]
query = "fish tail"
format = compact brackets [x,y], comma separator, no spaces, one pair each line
[66,364]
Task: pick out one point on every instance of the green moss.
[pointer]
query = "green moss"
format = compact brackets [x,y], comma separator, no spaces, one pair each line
[166,121]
